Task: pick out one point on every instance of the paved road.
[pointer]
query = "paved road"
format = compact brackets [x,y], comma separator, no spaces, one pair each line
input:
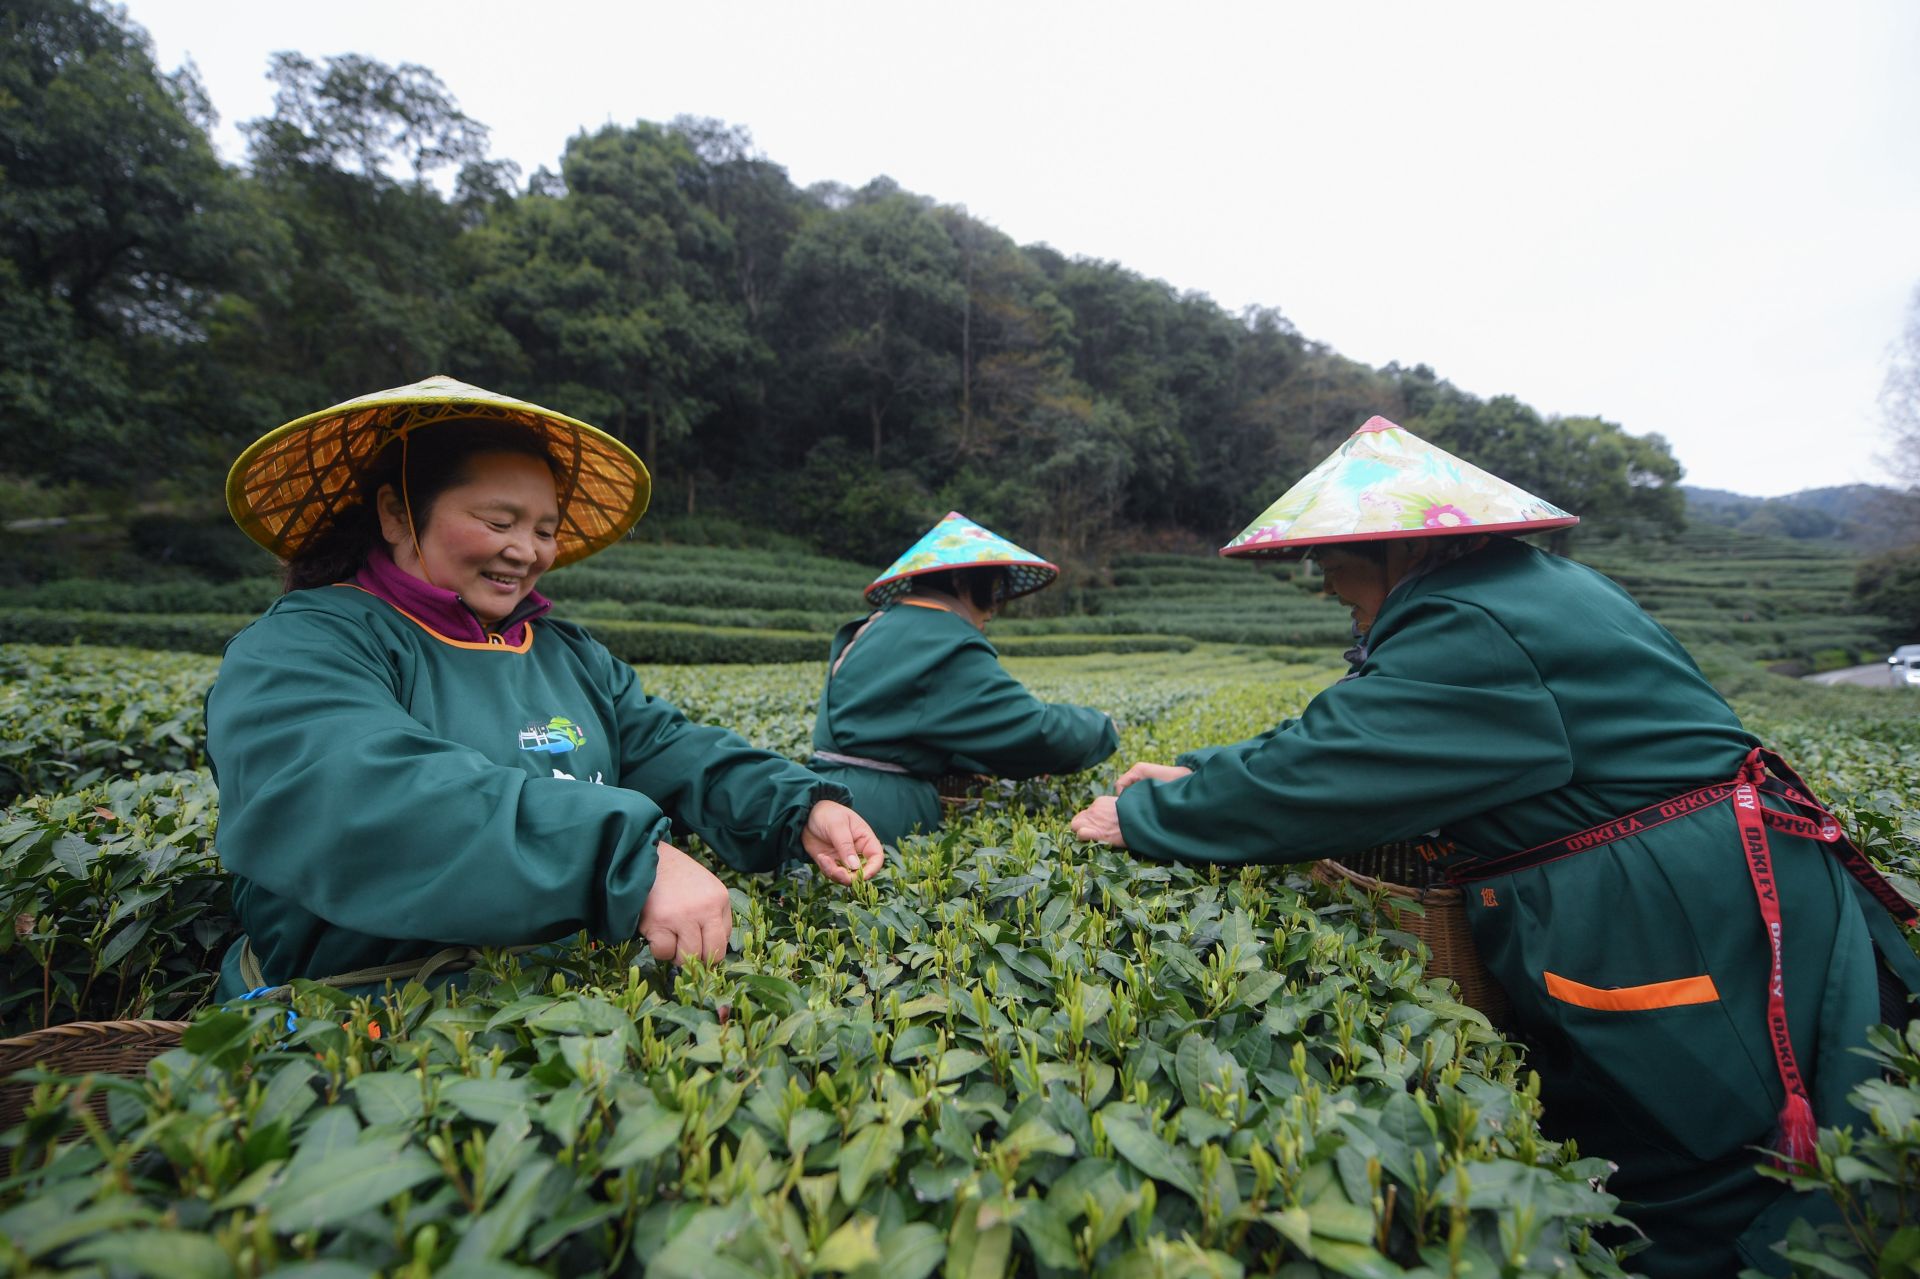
[1878,675]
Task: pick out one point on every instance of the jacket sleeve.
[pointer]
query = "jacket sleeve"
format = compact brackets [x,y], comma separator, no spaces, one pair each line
[749,805]
[1447,720]
[333,796]
[988,721]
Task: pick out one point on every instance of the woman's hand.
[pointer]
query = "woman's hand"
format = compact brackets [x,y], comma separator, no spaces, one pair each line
[688,912]
[1150,773]
[1100,820]
[841,843]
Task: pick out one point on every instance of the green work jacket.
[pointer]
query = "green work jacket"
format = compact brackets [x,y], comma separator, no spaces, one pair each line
[1512,698]
[923,691]
[386,792]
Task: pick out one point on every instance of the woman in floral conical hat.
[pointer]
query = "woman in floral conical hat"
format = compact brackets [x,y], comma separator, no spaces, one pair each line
[415,758]
[915,691]
[1627,851]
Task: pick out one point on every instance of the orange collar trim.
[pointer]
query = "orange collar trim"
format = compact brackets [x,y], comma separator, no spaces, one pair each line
[928,604]
[494,643]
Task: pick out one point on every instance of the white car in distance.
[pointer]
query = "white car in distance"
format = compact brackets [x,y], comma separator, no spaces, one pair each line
[1903,668]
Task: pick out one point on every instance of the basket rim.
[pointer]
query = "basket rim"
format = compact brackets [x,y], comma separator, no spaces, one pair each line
[1440,894]
[22,1050]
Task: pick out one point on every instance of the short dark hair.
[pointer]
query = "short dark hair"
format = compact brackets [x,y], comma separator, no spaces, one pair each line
[435,457]
[1375,550]
[985,587]
[1435,551]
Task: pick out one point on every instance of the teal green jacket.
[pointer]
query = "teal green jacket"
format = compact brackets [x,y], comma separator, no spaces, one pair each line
[923,690]
[1512,698]
[386,792]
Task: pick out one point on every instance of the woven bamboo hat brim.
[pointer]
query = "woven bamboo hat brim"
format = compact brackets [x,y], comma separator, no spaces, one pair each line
[291,483]
[1386,482]
[956,542]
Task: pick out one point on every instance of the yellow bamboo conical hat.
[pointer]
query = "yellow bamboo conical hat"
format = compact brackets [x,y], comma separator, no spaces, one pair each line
[1386,482]
[291,483]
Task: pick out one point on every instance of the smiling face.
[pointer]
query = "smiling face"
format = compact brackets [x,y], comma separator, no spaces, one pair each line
[487,537]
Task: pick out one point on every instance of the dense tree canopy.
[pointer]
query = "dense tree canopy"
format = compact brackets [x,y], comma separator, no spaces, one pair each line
[115,221]
[844,363]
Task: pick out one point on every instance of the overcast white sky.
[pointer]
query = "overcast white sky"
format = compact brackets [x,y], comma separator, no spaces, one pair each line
[1701,219]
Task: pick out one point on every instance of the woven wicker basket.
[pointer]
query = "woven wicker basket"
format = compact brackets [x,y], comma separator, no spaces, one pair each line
[1406,872]
[956,789]
[82,1048]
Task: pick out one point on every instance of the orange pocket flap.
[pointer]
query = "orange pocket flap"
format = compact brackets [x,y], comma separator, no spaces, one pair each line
[1627,999]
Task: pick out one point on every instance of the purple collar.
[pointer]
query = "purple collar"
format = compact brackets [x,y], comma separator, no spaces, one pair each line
[441,611]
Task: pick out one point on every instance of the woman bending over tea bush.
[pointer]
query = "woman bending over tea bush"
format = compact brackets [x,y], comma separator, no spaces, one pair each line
[1692,947]
[915,691]
[414,758]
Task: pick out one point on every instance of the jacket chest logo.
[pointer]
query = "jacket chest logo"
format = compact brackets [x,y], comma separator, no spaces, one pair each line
[557,736]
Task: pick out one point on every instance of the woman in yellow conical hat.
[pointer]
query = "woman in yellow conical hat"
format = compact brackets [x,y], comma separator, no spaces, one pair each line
[915,690]
[1628,852]
[415,758]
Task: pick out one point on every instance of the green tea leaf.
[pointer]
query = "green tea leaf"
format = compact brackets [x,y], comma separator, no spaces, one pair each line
[160,1254]
[646,1132]
[74,855]
[1150,1155]
[869,1154]
[912,1251]
[387,1099]
[958,1063]
[345,1183]
[488,1101]
[499,1229]
[849,1247]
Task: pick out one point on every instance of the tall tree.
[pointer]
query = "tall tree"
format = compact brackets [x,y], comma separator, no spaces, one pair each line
[616,291]
[360,284]
[116,225]
[872,305]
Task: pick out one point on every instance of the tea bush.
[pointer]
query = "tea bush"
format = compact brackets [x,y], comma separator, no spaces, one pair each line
[1871,1172]
[1015,1054]
[71,716]
[112,902]
[1012,1054]
[164,632]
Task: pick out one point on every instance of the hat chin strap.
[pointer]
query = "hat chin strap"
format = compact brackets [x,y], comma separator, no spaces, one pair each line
[407,502]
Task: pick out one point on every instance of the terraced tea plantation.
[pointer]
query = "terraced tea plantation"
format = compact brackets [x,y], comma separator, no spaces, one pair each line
[1766,598]
[651,602]
[1012,1054]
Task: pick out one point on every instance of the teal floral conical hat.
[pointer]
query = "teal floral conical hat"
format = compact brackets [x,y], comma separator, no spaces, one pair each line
[957,542]
[1386,482]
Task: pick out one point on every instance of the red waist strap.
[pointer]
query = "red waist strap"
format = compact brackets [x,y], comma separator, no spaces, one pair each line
[1824,828]
[1797,1126]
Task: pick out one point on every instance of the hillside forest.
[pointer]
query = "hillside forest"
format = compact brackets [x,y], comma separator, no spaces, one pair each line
[847,363]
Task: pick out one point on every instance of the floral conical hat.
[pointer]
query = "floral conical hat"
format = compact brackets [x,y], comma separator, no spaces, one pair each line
[957,542]
[1385,482]
[291,483]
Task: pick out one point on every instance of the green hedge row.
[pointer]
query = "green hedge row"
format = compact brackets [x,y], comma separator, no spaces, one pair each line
[249,595]
[1076,645]
[676,645]
[592,612]
[717,591]
[671,643]
[209,633]
[174,632]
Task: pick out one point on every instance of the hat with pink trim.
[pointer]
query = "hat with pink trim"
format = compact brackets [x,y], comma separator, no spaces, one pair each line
[956,542]
[1386,482]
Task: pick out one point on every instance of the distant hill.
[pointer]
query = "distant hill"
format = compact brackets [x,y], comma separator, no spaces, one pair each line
[1864,517]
